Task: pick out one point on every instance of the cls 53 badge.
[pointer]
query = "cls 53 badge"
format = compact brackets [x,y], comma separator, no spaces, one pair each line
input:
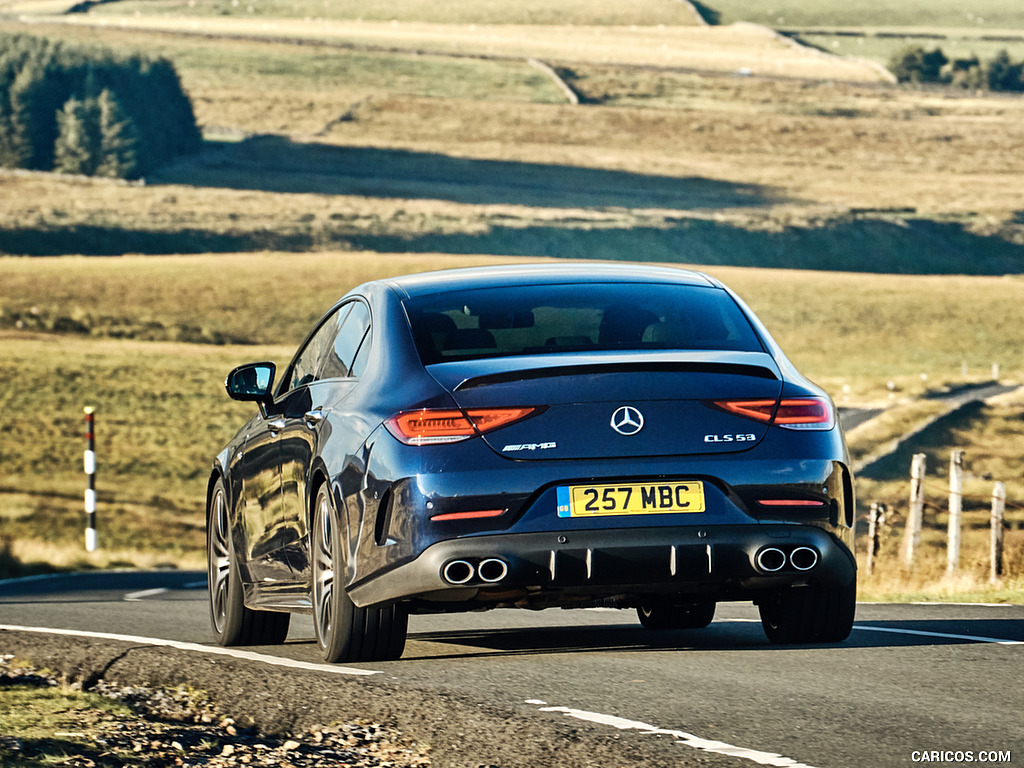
[747,438]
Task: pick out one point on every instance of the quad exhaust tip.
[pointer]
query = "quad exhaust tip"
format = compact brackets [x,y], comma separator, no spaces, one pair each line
[773,559]
[492,570]
[489,570]
[458,572]
[803,558]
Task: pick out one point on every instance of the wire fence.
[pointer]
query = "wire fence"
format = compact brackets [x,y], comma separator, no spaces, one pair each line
[882,520]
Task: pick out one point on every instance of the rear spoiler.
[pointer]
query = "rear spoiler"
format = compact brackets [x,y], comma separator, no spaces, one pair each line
[589,369]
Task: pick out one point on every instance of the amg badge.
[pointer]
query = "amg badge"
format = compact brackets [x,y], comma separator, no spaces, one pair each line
[528,447]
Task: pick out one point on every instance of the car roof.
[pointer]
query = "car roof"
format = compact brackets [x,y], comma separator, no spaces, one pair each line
[544,274]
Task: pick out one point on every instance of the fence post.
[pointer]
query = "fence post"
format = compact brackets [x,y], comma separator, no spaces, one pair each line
[90,471]
[998,509]
[956,508]
[876,519]
[915,519]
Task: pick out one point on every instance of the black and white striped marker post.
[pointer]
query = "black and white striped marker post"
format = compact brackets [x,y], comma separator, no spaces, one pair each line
[90,471]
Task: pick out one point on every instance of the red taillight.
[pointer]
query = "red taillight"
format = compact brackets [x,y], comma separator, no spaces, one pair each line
[805,413]
[433,426]
[758,410]
[789,412]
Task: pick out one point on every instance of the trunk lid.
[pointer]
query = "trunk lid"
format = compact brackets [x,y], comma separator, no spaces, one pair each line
[612,405]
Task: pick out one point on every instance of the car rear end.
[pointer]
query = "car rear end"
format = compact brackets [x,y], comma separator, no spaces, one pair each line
[610,442]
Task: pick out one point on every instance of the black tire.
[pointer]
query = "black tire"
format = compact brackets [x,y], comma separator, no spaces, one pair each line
[232,622]
[344,631]
[676,616]
[813,614]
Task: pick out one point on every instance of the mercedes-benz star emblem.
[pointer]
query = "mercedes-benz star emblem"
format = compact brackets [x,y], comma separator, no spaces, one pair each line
[627,420]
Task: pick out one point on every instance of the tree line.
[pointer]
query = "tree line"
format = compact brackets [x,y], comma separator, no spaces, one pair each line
[916,65]
[89,110]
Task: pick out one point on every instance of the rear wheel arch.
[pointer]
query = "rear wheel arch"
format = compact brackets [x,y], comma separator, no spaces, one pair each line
[344,631]
[319,478]
[217,475]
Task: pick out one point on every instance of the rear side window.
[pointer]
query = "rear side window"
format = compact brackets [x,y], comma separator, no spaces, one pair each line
[530,320]
[338,360]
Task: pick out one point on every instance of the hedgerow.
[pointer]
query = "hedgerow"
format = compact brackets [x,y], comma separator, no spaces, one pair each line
[916,65]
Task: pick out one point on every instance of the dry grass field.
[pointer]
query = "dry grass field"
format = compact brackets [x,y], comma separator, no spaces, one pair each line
[341,149]
[746,47]
[390,150]
[136,345]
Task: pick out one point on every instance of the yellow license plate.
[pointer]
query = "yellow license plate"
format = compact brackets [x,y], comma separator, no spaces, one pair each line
[630,499]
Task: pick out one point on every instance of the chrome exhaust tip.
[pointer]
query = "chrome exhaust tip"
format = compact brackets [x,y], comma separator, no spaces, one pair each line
[803,558]
[458,572]
[771,559]
[492,570]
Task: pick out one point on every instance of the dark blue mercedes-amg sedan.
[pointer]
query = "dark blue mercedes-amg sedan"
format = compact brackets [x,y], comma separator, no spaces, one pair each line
[532,436]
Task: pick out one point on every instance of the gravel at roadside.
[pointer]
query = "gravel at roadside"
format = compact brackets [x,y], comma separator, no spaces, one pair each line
[179,727]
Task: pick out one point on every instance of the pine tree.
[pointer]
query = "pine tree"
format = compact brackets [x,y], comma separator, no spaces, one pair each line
[10,156]
[77,148]
[118,150]
[23,148]
[1003,74]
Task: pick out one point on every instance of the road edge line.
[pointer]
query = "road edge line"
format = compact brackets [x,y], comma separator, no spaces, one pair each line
[263,658]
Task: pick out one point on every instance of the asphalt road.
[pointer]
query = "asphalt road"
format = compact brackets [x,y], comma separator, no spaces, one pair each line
[911,678]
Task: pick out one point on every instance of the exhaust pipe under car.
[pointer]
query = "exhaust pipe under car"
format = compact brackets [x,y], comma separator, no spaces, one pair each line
[492,570]
[489,570]
[458,572]
[771,559]
[803,558]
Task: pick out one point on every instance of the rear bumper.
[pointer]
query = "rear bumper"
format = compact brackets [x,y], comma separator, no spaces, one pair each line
[560,568]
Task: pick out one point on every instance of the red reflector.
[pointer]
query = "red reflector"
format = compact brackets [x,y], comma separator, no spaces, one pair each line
[474,515]
[790,503]
[432,426]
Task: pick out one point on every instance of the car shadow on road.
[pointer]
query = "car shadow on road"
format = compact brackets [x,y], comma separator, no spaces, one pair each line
[721,636]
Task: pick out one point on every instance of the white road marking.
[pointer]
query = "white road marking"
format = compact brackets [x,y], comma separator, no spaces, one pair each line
[213,650]
[133,597]
[943,635]
[901,631]
[682,738]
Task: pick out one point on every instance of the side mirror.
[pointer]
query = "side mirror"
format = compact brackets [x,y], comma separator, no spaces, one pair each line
[252,382]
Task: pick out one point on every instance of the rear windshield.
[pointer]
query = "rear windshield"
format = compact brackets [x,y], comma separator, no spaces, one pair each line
[531,320]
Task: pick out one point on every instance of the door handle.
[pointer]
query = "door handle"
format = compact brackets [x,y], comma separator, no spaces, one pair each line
[276,425]
[312,418]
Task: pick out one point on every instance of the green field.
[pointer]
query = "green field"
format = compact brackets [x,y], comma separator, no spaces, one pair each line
[540,12]
[876,30]
[881,49]
[988,14]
